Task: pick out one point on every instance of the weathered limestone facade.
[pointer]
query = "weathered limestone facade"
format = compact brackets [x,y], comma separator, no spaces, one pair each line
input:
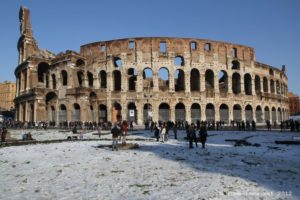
[7,95]
[147,78]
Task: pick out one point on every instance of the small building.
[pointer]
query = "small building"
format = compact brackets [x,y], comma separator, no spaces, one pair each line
[294,103]
[7,95]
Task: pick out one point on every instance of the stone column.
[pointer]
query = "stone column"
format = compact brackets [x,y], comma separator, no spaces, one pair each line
[253,86]
[216,84]
[139,86]
[217,112]
[155,82]
[230,110]
[242,84]
[140,113]
[187,86]
[203,109]
[229,84]
[262,85]
[172,112]
[171,81]
[188,116]
[243,113]
[27,79]
[96,82]
[109,107]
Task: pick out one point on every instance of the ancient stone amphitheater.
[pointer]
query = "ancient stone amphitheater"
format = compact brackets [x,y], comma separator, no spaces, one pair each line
[149,78]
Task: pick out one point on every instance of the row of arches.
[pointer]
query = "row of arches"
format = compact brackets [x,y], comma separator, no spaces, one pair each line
[209,112]
[222,82]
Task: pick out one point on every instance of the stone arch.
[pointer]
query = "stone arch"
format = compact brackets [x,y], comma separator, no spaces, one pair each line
[117,80]
[52,113]
[80,63]
[64,76]
[224,113]
[76,112]
[223,82]
[209,83]
[51,98]
[274,118]
[132,77]
[257,84]
[53,77]
[103,79]
[259,114]
[195,80]
[180,112]
[132,112]
[248,84]
[267,113]
[179,61]
[179,80]
[164,112]
[279,114]
[62,113]
[210,112]
[277,87]
[90,79]
[43,70]
[147,112]
[117,62]
[102,113]
[195,112]
[236,83]
[235,65]
[147,78]
[265,85]
[163,79]
[237,113]
[249,113]
[80,78]
[272,86]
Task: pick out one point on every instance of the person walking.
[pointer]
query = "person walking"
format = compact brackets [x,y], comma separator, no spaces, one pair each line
[156,132]
[192,135]
[163,132]
[175,131]
[115,131]
[124,132]
[203,135]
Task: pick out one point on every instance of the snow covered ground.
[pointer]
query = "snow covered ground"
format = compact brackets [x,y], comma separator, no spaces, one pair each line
[80,170]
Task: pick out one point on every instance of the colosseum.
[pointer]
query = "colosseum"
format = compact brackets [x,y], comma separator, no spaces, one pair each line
[147,78]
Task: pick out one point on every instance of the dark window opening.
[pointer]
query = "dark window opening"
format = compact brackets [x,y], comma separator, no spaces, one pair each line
[271,72]
[234,52]
[80,63]
[117,80]
[235,65]
[103,79]
[90,79]
[265,86]
[209,83]
[64,75]
[195,80]
[223,82]
[80,78]
[53,81]
[257,85]
[179,80]
[248,84]
[43,69]
[193,45]
[117,62]
[236,83]
[132,77]
[207,47]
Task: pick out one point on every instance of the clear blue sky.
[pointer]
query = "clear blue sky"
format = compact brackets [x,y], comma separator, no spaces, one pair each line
[272,27]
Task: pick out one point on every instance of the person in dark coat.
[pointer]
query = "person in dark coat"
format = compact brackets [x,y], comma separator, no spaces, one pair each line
[115,131]
[175,131]
[203,135]
[192,135]
[156,133]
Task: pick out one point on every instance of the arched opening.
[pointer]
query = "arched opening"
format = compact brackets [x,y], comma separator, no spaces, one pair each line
[51,98]
[80,63]
[249,113]
[248,84]
[90,79]
[102,78]
[224,113]
[272,86]
[237,113]
[236,83]
[117,62]
[147,79]
[53,81]
[102,113]
[179,61]
[62,113]
[64,76]
[209,83]
[163,79]
[223,82]
[43,69]
[195,80]
[76,112]
[277,87]
[116,112]
[180,112]
[179,80]
[257,84]
[279,115]
[267,113]
[117,80]
[52,113]
[132,113]
[274,117]
[164,112]
[258,114]
[266,87]
[80,78]
[132,77]
[31,113]
[195,112]
[147,112]
[92,113]
[235,65]
[210,113]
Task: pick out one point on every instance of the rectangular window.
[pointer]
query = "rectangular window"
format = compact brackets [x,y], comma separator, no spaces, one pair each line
[103,48]
[207,47]
[163,47]
[131,45]
[193,45]
[234,53]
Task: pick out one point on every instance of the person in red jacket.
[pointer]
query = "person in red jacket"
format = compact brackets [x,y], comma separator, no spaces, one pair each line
[124,132]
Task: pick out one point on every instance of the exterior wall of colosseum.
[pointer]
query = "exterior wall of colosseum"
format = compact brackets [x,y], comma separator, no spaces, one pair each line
[140,79]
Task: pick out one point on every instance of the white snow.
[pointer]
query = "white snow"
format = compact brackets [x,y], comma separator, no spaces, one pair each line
[170,170]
